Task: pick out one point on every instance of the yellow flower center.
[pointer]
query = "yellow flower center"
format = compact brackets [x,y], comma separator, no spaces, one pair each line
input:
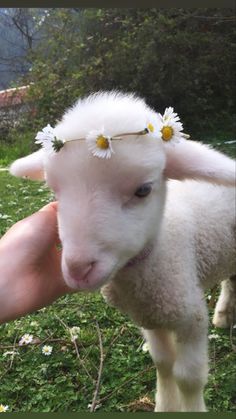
[150,127]
[102,142]
[167,133]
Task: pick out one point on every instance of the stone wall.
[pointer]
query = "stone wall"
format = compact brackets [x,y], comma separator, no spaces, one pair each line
[14,107]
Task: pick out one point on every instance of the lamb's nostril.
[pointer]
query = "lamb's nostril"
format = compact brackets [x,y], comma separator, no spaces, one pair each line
[78,269]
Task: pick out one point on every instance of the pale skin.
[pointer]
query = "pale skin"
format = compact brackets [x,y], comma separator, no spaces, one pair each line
[30,265]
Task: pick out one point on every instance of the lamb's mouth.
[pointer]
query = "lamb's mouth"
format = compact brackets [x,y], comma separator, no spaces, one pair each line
[94,280]
[85,284]
[145,252]
[90,282]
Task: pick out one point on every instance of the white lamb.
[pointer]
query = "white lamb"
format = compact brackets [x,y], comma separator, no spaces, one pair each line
[154,244]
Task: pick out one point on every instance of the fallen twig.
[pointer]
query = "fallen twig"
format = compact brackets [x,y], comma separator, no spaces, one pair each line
[35,342]
[94,402]
[119,333]
[14,353]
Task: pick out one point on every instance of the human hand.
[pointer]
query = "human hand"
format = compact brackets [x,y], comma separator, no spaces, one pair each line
[30,265]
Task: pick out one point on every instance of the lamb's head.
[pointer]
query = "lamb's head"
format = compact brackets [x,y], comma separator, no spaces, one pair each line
[110,209]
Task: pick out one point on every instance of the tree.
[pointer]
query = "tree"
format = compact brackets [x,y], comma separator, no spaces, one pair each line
[177,57]
[20,30]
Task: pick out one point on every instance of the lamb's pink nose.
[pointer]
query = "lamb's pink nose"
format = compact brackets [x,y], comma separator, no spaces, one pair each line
[78,270]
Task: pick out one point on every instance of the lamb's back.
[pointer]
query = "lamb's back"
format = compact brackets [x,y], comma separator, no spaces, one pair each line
[202,216]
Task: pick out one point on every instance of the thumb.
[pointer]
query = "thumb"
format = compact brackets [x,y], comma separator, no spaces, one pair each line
[52,206]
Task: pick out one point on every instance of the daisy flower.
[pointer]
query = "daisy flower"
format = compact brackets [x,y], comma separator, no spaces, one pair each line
[3,408]
[99,144]
[153,125]
[47,350]
[170,115]
[48,140]
[26,339]
[150,127]
[171,128]
[166,127]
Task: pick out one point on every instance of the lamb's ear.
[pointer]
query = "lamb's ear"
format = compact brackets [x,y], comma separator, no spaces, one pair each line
[193,160]
[30,166]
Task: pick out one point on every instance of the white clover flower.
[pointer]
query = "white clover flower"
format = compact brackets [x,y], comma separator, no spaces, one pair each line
[34,323]
[48,139]
[96,406]
[99,144]
[74,332]
[47,350]
[3,408]
[26,339]
[213,336]
[75,329]
[145,347]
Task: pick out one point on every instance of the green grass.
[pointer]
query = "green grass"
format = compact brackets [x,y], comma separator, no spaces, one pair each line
[15,146]
[66,380]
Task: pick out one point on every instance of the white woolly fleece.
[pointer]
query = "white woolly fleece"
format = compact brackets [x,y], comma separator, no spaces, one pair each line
[114,111]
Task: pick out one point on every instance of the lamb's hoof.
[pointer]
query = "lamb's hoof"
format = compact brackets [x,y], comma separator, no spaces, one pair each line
[223,319]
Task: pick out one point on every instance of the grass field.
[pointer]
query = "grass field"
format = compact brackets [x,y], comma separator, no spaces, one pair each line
[66,380]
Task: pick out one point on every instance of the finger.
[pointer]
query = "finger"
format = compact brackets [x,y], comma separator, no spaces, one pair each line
[51,206]
[37,232]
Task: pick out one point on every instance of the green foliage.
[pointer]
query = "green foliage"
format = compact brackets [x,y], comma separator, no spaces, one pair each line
[64,381]
[178,57]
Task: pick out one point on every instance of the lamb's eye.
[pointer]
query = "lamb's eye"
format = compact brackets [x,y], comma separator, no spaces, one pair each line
[143,190]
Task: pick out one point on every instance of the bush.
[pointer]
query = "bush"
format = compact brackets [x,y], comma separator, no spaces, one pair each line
[177,57]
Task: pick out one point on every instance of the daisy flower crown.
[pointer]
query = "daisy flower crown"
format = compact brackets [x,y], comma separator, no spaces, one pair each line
[166,127]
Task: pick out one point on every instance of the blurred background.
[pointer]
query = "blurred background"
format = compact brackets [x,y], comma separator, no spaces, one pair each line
[183,58]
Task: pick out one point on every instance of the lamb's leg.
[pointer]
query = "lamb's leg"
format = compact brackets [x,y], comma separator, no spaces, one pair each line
[191,366]
[162,351]
[225,311]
